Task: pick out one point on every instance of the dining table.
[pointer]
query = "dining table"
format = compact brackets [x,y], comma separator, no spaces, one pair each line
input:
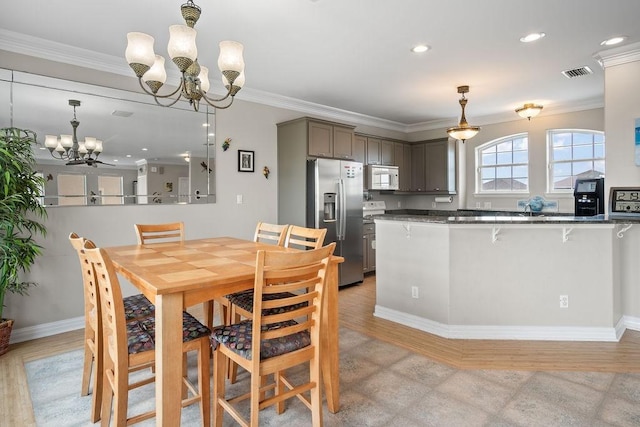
[180,274]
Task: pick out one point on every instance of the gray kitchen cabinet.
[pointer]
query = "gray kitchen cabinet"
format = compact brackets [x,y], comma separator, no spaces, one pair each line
[440,167]
[360,149]
[387,153]
[369,247]
[418,177]
[373,151]
[326,139]
[402,159]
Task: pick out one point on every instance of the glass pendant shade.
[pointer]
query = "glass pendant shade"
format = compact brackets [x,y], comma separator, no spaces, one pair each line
[157,72]
[50,141]
[204,79]
[66,141]
[239,81]
[182,42]
[463,133]
[90,143]
[230,58]
[59,149]
[529,110]
[139,49]
[98,148]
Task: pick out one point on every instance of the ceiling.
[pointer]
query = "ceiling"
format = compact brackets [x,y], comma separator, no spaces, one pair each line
[354,55]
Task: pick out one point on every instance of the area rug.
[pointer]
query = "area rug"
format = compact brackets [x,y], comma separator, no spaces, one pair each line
[54,385]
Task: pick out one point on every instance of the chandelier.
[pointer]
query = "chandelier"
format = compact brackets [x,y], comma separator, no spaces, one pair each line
[529,110]
[194,83]
[463,131]
[69,149]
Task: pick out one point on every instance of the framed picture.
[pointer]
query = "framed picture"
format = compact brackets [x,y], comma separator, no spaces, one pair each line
[245,161]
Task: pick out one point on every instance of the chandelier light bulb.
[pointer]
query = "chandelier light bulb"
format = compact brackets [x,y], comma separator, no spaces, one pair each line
[90,143]
[51,141]
[66,141]
[204,79]
[230,58]
[139,52]
[182,46]
[98,148]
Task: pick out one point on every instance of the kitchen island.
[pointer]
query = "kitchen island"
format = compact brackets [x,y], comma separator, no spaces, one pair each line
[509,276]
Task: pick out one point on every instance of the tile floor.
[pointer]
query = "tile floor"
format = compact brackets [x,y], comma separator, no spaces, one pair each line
[385,385]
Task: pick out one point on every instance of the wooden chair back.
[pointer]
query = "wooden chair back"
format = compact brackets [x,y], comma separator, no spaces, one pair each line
[270,233]
[150,233]
[92,330]
[112,307]
[305,238]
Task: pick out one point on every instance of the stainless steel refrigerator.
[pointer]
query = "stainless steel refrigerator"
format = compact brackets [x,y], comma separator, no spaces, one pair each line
[334,202]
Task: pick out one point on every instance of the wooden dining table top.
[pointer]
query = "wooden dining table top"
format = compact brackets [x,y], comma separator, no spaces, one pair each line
[189,265]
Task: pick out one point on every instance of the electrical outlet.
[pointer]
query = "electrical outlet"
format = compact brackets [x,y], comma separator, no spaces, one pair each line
[414,292]
[487,205]
[239,199]
[564,301]
[434,205]
[399,204]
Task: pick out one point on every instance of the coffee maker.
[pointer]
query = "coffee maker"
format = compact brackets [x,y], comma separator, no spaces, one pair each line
[589,196]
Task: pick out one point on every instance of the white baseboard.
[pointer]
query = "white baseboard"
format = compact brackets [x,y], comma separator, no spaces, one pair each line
[446,331]
[46,329]
[534,333]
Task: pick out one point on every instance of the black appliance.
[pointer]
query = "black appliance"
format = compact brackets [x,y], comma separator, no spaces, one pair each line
[589,196]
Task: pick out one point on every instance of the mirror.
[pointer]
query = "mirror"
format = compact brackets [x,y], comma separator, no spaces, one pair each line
[151,154]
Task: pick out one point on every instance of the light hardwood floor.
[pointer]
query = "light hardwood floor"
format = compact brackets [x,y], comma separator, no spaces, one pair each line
[356,308]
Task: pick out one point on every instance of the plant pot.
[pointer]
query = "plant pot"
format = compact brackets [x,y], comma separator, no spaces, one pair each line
[5,334]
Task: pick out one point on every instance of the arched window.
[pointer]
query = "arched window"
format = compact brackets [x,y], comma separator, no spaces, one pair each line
[572,154]
[502,165]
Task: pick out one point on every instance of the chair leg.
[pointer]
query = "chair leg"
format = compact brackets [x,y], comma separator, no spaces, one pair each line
[86,369]
[256,382]
[204,381]
[232,368]
[207,308]
[316,392]
[279,390]
[98,380]
[107,400]
[219,373]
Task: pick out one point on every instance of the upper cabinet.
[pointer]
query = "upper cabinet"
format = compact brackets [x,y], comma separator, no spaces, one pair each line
[360,149]
[373,151]
[433,167]
[326,139]
[402,159]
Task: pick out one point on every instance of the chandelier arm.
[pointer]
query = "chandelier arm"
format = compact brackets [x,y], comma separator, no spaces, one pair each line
[155,95]
[210,102]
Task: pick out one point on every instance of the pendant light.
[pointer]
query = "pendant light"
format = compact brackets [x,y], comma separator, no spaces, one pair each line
[463,131]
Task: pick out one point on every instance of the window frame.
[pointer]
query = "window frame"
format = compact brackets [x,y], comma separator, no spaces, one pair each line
[478,165]
[551,162]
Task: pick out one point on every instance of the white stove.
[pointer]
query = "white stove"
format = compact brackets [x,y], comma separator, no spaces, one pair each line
[370,208]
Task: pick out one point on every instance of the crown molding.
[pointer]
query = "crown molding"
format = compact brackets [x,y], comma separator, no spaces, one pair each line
[58,52]
[618,56]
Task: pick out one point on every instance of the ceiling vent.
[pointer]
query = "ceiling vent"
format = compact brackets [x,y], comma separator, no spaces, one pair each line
[577,72]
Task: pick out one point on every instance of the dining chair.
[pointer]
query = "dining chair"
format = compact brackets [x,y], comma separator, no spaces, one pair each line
[156,233]
[130,346]
[304,238]
[135,306]
[174,232]
[266,232]
[271,344]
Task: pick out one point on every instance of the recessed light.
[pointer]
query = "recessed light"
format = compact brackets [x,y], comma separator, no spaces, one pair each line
[532,37]
[420,48]
[128,155]
[144,149]
[115,160]
[613,40]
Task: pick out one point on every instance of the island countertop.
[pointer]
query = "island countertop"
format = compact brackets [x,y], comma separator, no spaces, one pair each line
[507,218]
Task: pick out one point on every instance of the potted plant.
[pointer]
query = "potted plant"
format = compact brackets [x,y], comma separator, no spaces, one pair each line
[20,212]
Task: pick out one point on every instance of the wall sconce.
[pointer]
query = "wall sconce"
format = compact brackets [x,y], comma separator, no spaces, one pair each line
[463,131]
[529,110]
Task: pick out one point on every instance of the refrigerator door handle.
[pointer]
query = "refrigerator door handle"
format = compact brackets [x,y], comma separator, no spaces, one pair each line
[342,211]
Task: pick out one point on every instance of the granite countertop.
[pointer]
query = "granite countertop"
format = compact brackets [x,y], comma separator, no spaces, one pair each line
[494,217]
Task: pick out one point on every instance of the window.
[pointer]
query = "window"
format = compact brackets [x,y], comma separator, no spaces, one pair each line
[574,154]
[503,165]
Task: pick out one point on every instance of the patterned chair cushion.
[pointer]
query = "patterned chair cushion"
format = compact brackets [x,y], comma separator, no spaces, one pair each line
[141,333]
[137,306]
[238,337]
[244,300]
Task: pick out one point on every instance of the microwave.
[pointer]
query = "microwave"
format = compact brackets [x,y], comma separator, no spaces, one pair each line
[381,177]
